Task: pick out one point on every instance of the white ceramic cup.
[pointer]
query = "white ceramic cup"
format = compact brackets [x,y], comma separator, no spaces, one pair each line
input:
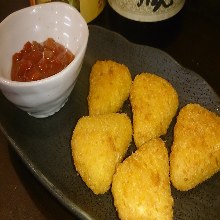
[66,26]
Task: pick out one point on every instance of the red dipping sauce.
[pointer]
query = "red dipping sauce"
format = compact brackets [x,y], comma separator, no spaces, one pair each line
[40,60]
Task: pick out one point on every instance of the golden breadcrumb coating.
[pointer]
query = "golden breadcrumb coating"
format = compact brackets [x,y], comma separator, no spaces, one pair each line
[99,143]
[141,184]
[154,104]
[109,87]
[195,154]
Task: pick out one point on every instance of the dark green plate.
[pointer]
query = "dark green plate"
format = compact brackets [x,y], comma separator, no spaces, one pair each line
[44,144]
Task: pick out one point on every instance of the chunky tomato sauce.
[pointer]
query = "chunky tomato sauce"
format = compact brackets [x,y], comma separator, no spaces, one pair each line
[39,60]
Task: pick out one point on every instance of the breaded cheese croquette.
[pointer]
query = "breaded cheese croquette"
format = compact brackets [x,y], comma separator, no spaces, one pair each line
[141,185]
[154,104]
[195,153]
[98,144]
[109,87]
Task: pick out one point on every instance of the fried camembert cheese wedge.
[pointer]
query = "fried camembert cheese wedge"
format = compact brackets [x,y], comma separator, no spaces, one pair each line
[109,87]
[141,184]
[154,103]
[195,153]
[99,143]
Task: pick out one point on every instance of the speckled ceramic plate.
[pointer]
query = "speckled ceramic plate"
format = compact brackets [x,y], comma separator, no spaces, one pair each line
[44,144]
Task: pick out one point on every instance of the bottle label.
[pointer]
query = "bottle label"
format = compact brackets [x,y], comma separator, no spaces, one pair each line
[147,10]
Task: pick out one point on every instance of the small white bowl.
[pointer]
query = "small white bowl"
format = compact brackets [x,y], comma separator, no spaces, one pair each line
[56,20]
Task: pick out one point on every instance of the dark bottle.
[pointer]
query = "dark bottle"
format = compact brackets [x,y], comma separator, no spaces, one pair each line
[151,22]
